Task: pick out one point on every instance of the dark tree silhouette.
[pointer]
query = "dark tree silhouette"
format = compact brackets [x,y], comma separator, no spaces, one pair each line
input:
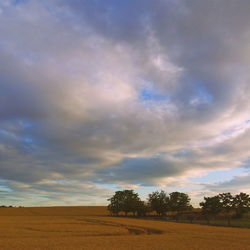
[241,204]
[142,208]
[179,202]
[116,203]
[124,201]
[159,202]
[127,201]
[226,200]
[211,207]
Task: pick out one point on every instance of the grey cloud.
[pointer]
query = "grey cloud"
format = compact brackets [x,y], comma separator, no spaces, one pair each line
[235,185]
[145,171]
[75,72]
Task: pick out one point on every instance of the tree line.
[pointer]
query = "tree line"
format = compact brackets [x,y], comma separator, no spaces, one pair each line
[177,203]
[233,206]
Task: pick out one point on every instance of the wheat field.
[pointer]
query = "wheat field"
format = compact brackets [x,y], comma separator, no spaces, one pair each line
[92,228]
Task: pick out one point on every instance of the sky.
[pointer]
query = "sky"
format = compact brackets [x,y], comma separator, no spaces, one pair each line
[103,95]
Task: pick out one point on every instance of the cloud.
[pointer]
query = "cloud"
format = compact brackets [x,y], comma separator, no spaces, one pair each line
[134,92]
[237,184]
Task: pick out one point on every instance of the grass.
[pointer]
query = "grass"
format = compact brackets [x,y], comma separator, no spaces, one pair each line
[91,228]
[242,222]
[234,222]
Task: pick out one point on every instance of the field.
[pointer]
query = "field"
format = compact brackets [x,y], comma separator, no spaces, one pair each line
[92,228]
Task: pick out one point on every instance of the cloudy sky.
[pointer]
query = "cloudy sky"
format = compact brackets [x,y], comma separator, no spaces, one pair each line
[102,95]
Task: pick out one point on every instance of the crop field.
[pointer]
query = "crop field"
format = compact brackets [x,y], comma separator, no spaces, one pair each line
[92,228]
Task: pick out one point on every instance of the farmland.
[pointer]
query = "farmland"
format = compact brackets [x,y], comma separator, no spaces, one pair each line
[92,228]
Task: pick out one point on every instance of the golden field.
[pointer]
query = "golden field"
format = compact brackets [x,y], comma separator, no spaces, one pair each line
[92,228]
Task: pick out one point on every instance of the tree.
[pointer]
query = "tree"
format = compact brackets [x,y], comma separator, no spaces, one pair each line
[142,208]
[123,201]
[226,200]
[159,202]
[211,206]
[116,203]
[179,202]
[241,204]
